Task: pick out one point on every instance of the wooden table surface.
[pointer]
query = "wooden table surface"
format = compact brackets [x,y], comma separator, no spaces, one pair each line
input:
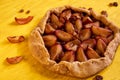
[29,68]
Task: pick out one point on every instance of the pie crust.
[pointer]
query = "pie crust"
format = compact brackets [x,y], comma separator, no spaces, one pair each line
[76,69]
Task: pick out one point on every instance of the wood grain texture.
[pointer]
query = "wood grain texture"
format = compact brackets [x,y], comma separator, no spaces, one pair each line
[29,68]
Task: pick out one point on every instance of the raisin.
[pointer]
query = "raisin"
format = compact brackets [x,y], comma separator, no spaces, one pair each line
[22,10]
[98,77]
[104,13]
[115,4]
[28,12]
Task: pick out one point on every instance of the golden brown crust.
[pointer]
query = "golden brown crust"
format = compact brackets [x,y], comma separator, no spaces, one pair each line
[76,69]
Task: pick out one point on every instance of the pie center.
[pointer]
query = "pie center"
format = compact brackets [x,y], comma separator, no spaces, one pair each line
[75,36]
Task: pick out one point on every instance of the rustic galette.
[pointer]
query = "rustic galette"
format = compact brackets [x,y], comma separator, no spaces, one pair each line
[74,41]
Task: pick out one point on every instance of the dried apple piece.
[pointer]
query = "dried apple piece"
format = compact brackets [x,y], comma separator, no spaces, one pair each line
[49,40]
[55,52]
[23,20]
[49,29]
[78,25]
[81,55]
[68,56]
[85,34]
[66,14]
[101,31]
[72,45]
[110,37]
[99,52]
[62,35]
[76,16]
[92,54]
[88,43]
[89,25]
[14,60]
[55,20]
[103,38]
[101,45]
[87,20]
[69,27]
[15,39]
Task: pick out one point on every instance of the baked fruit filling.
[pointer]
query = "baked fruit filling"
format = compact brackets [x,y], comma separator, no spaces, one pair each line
[75,36]
[74,41]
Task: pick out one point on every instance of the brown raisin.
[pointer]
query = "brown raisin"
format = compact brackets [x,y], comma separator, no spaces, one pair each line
[22,10]
[28,12]
[115,4]
[104,13]
[98,77]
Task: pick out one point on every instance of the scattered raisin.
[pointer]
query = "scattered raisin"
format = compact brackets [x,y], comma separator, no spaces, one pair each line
[22,10]
[98,77]
[90,8]
[115,4]
[28,12]
[110,4]
[104,13]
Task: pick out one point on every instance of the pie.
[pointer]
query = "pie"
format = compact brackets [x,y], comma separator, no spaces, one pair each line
[74,41]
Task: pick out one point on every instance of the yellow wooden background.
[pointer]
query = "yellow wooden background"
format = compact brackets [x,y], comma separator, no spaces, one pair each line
[29,69]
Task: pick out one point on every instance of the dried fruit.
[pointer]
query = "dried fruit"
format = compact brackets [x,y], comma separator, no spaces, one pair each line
[103,38]
[110,38]
[88,43]
[113,4]
[55,52]
[81,55]
[21,10]
[23,20]
[99,52]
[98,77]
[14,60]
[49,29]
[49,40]
[78,25]
[101,31]
[69,27]
[76,15]
[62,35]
[101,46]
[72,45]
[15,39]
[92,54]
[87,20]
[27,12]
[68,56]
[89,25]
[104,13]
[66,14]
[55,20]
[54,25]
[85,34]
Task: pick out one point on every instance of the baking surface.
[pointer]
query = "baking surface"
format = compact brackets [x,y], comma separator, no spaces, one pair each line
[29,68]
